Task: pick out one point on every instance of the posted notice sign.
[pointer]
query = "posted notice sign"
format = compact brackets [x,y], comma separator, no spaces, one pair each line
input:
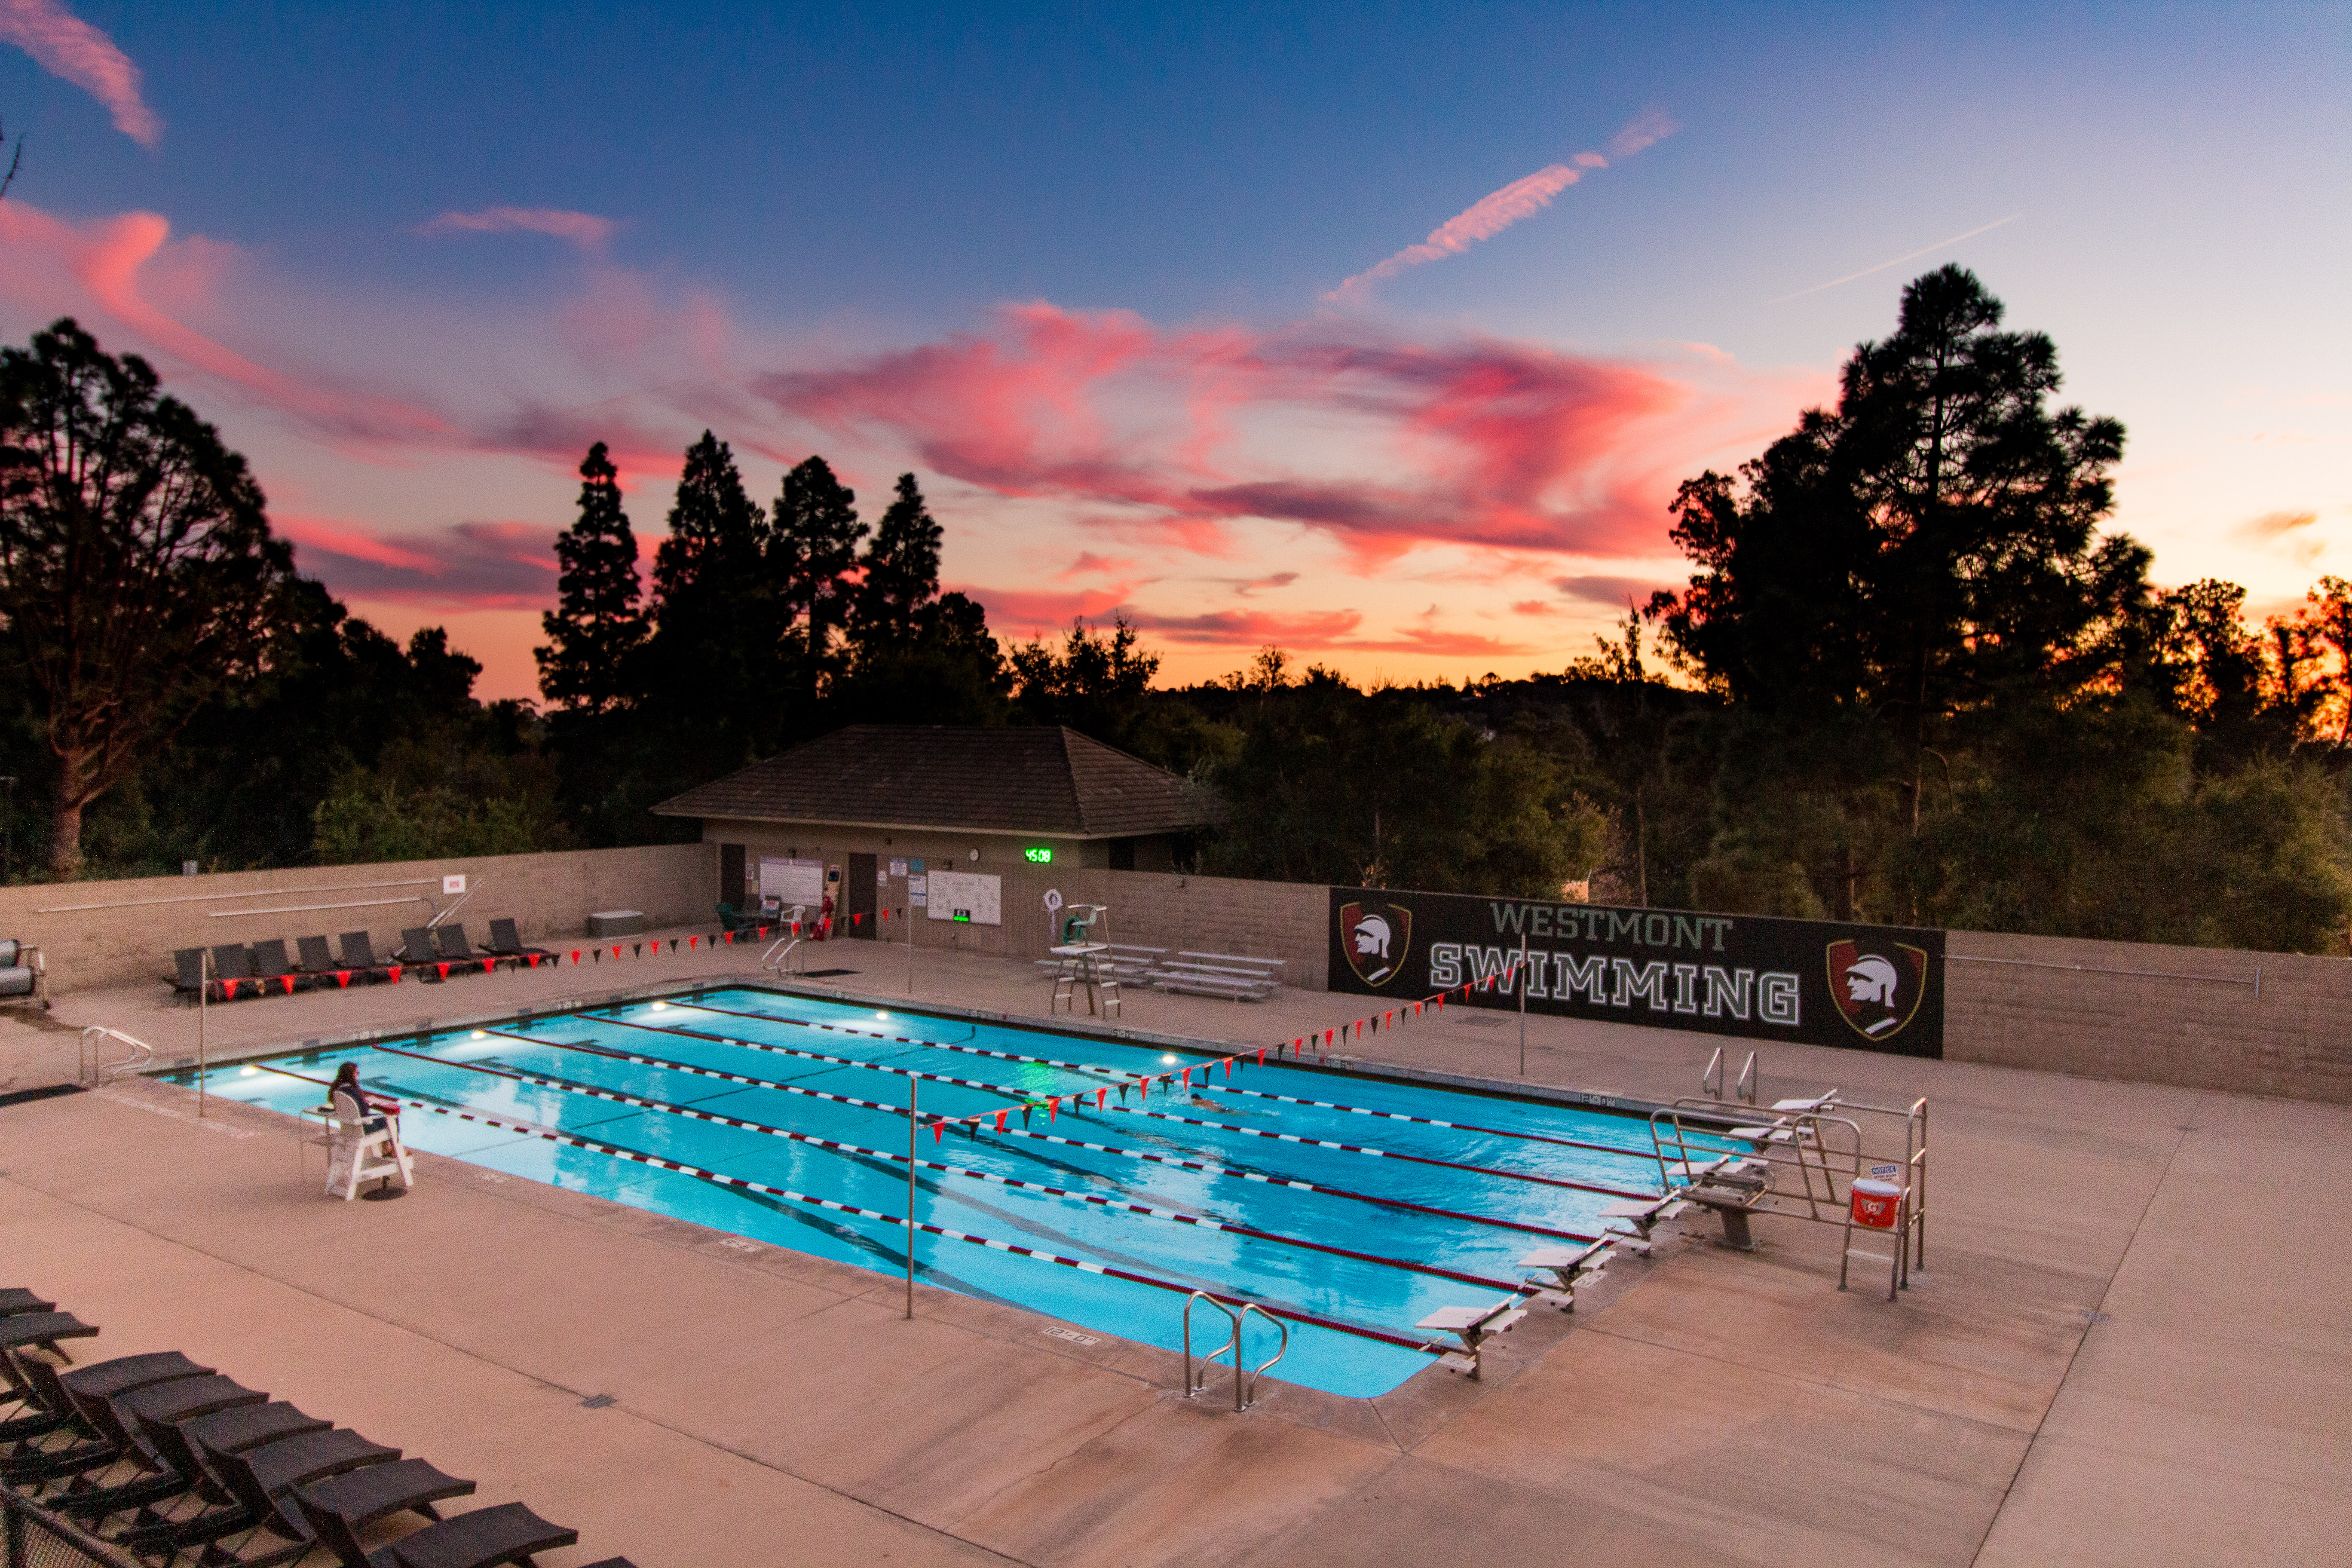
[1877,988]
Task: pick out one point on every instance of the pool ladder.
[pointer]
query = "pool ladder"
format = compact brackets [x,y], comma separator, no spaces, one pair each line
[1710,1082]
[95,1071]
[1244,1395]
[778,959]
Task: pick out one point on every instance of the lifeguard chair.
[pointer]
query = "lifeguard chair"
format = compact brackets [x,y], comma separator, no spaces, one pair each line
[355,1154]
[1079,930]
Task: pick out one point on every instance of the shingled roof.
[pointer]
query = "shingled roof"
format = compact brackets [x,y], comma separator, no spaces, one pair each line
[1023,780]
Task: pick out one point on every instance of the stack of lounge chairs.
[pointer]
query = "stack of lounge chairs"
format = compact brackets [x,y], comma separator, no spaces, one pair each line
[163,1459]
[235,970]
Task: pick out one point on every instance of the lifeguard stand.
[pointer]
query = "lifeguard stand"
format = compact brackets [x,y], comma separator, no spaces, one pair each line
[1081,933]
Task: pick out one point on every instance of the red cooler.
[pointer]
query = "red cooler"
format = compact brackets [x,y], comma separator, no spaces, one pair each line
[1876,1205]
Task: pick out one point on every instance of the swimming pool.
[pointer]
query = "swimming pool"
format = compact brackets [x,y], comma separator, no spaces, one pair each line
[1352,1208]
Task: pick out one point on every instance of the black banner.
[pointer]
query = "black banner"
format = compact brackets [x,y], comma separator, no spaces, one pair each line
[1877,988]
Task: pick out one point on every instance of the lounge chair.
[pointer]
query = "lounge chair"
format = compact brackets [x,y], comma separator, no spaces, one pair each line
[732,918]
[507,942]
[185,1444]
[233,971]
[508,1532]
[455,949]
[258,1485]
[15,1300]
[123,1420]
[271,964]
[416,947]
[339,1508]
[68,1395]
[359,956]
[23,1330]
[188,972]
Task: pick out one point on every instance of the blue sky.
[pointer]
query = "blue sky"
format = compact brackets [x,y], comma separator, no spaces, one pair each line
[1073,266]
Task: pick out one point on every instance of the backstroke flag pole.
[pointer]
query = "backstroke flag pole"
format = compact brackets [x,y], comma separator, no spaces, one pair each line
[1523,1004]
[910,1199]
[204,983]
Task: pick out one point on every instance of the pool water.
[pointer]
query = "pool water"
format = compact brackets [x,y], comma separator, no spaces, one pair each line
[1347,1219]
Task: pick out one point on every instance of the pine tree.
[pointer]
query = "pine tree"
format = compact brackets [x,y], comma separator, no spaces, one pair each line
[716,535]
[901,576]
[815,550]
[598,623]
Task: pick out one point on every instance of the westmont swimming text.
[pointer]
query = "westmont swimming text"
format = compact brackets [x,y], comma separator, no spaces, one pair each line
[1874,987]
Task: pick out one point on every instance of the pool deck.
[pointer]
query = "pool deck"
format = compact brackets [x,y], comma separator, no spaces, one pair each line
[2132,1343]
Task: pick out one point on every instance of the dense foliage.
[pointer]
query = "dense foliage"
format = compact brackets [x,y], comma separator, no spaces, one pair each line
[1911,679]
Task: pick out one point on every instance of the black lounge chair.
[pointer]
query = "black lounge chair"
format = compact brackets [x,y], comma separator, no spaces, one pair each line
[233,971]
[270,962]
[187,972]
[124,1420]
[359,956]
[339,1508]
[508,1532]
[455,949]
[15,1299]
[416,946]
[183,1444]
[508,943]
[70,1395]
[23,1330]
[256,1486]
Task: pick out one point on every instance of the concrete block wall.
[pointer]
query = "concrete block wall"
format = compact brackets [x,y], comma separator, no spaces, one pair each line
[2151,1014]
[113,933]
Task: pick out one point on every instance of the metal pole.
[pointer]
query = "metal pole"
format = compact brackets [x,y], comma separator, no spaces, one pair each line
[204,987]
[1523,1004]
[910,1199]
[909,913]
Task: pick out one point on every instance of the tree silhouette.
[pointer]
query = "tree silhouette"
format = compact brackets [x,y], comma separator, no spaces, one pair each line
[900,575]
[137,569]
[598,623]
[814,550]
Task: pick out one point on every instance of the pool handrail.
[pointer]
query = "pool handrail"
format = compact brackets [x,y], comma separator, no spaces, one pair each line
[98,1073]
[1281,1350]
[1231,1343]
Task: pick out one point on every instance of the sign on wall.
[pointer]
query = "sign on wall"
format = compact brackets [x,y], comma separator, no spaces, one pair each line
[1876,988]
[968,896]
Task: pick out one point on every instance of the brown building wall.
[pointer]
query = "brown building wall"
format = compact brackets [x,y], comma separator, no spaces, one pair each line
[132,935]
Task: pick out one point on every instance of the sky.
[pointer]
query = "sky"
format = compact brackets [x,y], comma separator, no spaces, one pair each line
[1383,334]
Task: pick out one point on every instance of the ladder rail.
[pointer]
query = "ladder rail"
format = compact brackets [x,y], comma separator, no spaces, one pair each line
[1281,1350]
[91,1070]
[1231,1343]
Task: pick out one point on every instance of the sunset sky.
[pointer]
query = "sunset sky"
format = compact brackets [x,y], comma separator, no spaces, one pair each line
[1381,334]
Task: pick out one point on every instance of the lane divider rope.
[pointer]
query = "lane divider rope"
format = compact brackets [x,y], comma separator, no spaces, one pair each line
[1132,1277]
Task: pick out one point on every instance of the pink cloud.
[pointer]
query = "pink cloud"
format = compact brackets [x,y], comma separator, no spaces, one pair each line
[585,230]
[1247,629]
[1478,442]
[1613,592]
[460,566]
[1491,214]
[66,46]
[107,259]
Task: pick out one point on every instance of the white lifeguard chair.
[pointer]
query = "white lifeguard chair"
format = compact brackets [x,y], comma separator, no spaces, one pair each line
[1080,951]
[356,1154]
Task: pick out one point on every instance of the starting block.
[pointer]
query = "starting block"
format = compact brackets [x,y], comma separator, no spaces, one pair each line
[1472,1326]
[1569,1267]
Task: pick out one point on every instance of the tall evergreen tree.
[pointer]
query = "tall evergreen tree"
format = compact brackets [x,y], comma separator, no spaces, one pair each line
[717,535]
[815,550]
[901,575]
[599,622]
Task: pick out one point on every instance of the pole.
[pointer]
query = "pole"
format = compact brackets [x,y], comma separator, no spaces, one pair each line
[203,986]
[911,1197]
[1523,1004]
[909,912]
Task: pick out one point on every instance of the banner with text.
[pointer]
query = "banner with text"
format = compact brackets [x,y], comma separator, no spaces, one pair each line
[1877,988]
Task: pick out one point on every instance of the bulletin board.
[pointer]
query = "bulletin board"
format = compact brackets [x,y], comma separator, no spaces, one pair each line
[967,897]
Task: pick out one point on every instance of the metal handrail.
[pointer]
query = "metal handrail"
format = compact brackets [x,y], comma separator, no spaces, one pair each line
[88,1068]
[1232,1344]
[1815,1147]
[1710,1077]
[1281,1350]
[1750,1080]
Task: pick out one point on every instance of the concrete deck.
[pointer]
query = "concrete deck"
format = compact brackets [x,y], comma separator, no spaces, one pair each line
[2132,1343]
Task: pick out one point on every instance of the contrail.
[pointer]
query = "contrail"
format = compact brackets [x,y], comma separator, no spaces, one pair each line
[1914,255]
[1491,214]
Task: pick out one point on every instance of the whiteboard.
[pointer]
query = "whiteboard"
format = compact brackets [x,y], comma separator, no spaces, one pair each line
[792,881]
[978,896]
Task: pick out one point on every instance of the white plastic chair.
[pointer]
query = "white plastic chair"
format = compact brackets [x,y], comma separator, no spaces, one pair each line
[352,1144]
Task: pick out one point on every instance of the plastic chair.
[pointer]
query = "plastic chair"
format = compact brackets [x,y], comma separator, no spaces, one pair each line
[358,1153]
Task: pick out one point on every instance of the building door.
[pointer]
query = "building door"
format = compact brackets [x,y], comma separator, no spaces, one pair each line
[862,900]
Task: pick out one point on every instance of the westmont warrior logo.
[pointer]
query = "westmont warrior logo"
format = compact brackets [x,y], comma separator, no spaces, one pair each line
[1877,994]
[1375,940]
